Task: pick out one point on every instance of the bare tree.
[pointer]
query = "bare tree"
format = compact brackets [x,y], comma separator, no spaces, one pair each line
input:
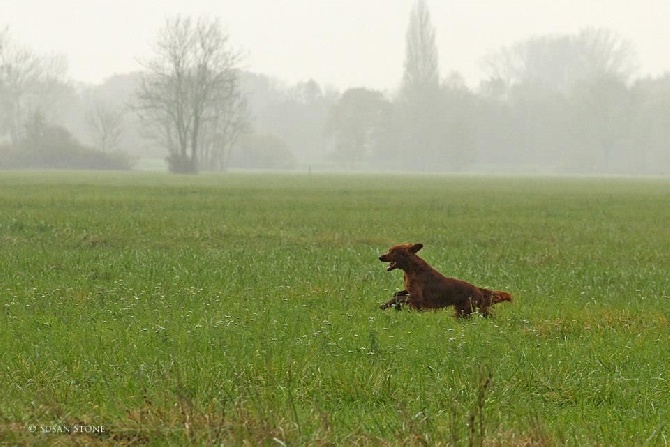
[606,54]
[191,78]
[29,84]
[558,62]
[231,120]
[105,123]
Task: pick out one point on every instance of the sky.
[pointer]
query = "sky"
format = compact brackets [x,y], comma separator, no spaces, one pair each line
[338,43]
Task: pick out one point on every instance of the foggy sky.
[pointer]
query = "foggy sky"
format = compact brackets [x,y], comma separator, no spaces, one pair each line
[343,43]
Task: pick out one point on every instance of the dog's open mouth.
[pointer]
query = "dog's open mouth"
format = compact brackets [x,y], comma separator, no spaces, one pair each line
[392,264]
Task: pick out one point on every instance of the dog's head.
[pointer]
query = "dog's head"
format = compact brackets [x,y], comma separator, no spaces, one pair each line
[399,256]
[499,297]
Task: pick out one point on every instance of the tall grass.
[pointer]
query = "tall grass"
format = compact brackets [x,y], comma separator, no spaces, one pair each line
[244,309]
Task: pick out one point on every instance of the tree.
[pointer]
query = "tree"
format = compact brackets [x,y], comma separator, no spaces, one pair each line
[190,80]
[603,114]
[296,113]
[456,120]
[557,62]
[105,123]
[421,58]
[566,96]
[419,102]
[230,122]
[29,84]
[355,122]
[651,128]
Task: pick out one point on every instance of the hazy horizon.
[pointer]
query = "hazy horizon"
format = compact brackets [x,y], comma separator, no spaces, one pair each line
[337,43]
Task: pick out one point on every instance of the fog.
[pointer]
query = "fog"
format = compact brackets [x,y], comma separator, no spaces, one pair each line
[416,86]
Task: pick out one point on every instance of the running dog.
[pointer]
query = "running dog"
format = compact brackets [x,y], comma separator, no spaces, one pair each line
[426,288]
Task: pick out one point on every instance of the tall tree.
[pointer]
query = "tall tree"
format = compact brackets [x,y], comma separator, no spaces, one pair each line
[421,58]
[419,102]
[190,80]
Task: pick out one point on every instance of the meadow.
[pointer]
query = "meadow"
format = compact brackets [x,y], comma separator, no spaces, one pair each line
[242,309]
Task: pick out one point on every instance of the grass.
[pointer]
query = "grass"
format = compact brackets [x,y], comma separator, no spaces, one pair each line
[242,309]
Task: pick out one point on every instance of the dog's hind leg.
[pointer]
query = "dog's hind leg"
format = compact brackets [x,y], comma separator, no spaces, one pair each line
[401,298]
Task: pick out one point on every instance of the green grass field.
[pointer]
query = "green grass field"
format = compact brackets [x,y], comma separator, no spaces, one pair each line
[239,309]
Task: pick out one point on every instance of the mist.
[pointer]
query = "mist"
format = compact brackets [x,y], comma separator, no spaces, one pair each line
[552,103]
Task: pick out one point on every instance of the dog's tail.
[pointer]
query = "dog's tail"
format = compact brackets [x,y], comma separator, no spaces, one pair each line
[497,296]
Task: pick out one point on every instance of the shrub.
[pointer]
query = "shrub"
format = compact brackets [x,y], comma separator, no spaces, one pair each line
[53,147]
[181,164]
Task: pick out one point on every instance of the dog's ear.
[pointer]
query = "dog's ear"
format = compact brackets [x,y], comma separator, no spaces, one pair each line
[416,247]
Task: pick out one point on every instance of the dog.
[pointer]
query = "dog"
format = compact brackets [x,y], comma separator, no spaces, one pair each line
[426,288]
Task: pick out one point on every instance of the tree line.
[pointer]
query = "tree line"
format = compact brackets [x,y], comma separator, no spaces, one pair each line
[555,103]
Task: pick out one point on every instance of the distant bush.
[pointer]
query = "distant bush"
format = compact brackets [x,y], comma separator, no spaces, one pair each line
[53,147]
[69,158]
[262,151]
[181,164]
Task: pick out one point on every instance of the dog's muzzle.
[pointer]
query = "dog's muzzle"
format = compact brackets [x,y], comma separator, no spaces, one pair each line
[392,264]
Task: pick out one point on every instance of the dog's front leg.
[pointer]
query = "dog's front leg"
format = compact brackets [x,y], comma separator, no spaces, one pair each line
[399,298]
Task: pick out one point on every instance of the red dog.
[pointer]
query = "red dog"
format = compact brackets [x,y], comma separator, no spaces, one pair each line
[426,288]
